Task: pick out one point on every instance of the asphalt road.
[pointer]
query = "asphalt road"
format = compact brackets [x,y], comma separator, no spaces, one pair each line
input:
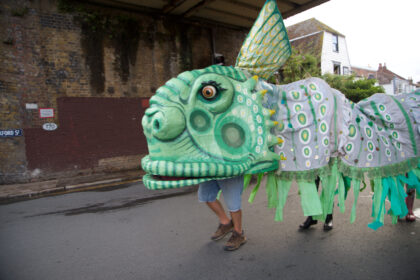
[117,234]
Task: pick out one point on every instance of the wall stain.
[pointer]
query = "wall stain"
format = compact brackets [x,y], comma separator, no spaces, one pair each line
[92,42]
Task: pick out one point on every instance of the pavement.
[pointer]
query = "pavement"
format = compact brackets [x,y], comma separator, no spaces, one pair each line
[114,233]
[18,192]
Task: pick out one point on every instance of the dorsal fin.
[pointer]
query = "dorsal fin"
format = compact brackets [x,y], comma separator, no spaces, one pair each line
[267,45]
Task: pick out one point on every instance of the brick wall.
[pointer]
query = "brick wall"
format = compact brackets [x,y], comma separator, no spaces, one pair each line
[97,73]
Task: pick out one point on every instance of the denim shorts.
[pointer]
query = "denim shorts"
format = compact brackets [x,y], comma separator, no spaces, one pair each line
[231,190]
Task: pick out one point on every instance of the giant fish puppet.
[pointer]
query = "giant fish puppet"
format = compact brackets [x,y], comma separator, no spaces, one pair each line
[221,122]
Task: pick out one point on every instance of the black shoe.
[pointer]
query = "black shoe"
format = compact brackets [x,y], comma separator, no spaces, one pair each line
[328,222]
[308,223]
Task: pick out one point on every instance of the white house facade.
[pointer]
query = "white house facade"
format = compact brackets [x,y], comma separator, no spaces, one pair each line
[335,57]
[328,45]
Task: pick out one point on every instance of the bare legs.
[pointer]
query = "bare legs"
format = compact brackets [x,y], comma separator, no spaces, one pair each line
[218,209]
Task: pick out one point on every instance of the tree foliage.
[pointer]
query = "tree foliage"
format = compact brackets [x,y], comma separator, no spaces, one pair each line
[353,89]
[299,66]
[302,66]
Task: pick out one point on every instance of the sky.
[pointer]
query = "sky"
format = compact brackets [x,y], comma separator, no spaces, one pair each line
[377,31]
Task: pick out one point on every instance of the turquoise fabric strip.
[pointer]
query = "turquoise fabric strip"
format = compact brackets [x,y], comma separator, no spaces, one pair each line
[398,207]
[381,191]
[311,205]
[356,191]
[401,196]
[413,179]
[283,188]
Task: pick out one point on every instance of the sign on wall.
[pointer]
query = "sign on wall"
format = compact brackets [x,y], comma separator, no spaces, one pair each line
[46,113]
[49,126]
[11,132]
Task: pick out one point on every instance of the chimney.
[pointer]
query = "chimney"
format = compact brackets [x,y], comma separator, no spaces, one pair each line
[380,66]
[384,65]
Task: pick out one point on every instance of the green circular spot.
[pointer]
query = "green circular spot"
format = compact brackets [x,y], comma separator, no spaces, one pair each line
[318,96]
[295,94]
[370,146]
[323,110]
[352,130]
[357,119]
[312,86]
[233,135]
[323,127]
[326,142]
[302,119]
[305,135]
[306,151]
[200,121]
[382,107]
[388,117]
[368,132]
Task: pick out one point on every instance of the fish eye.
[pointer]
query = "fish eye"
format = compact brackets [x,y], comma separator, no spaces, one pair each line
[209,92]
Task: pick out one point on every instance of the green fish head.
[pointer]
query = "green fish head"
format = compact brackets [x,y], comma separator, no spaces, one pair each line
[207,124]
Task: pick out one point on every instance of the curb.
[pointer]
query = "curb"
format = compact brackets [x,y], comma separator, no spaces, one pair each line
[20,192]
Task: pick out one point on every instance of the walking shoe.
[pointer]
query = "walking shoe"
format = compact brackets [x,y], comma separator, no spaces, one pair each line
[222,230]
[410,218]
[235,241]
[308,223]
[328,222]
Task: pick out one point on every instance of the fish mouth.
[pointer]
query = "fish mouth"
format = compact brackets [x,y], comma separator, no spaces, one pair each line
[153,182]
[163,174]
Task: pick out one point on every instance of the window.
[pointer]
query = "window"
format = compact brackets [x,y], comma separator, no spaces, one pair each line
[346,70]
[335,42]
[371,76]
[337,68]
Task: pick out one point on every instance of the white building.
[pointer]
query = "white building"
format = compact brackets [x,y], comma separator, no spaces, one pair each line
[328,45]
[393,83]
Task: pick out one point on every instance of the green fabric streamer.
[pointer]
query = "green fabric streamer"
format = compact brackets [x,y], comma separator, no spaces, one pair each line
[311,205]
[272,190]
[413,180]
[378,206]
[255,190]
[396,197]
[219,194]
[364,185]
[347,185]
[329,184]
[341,193]
[356,191]
[283,188]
